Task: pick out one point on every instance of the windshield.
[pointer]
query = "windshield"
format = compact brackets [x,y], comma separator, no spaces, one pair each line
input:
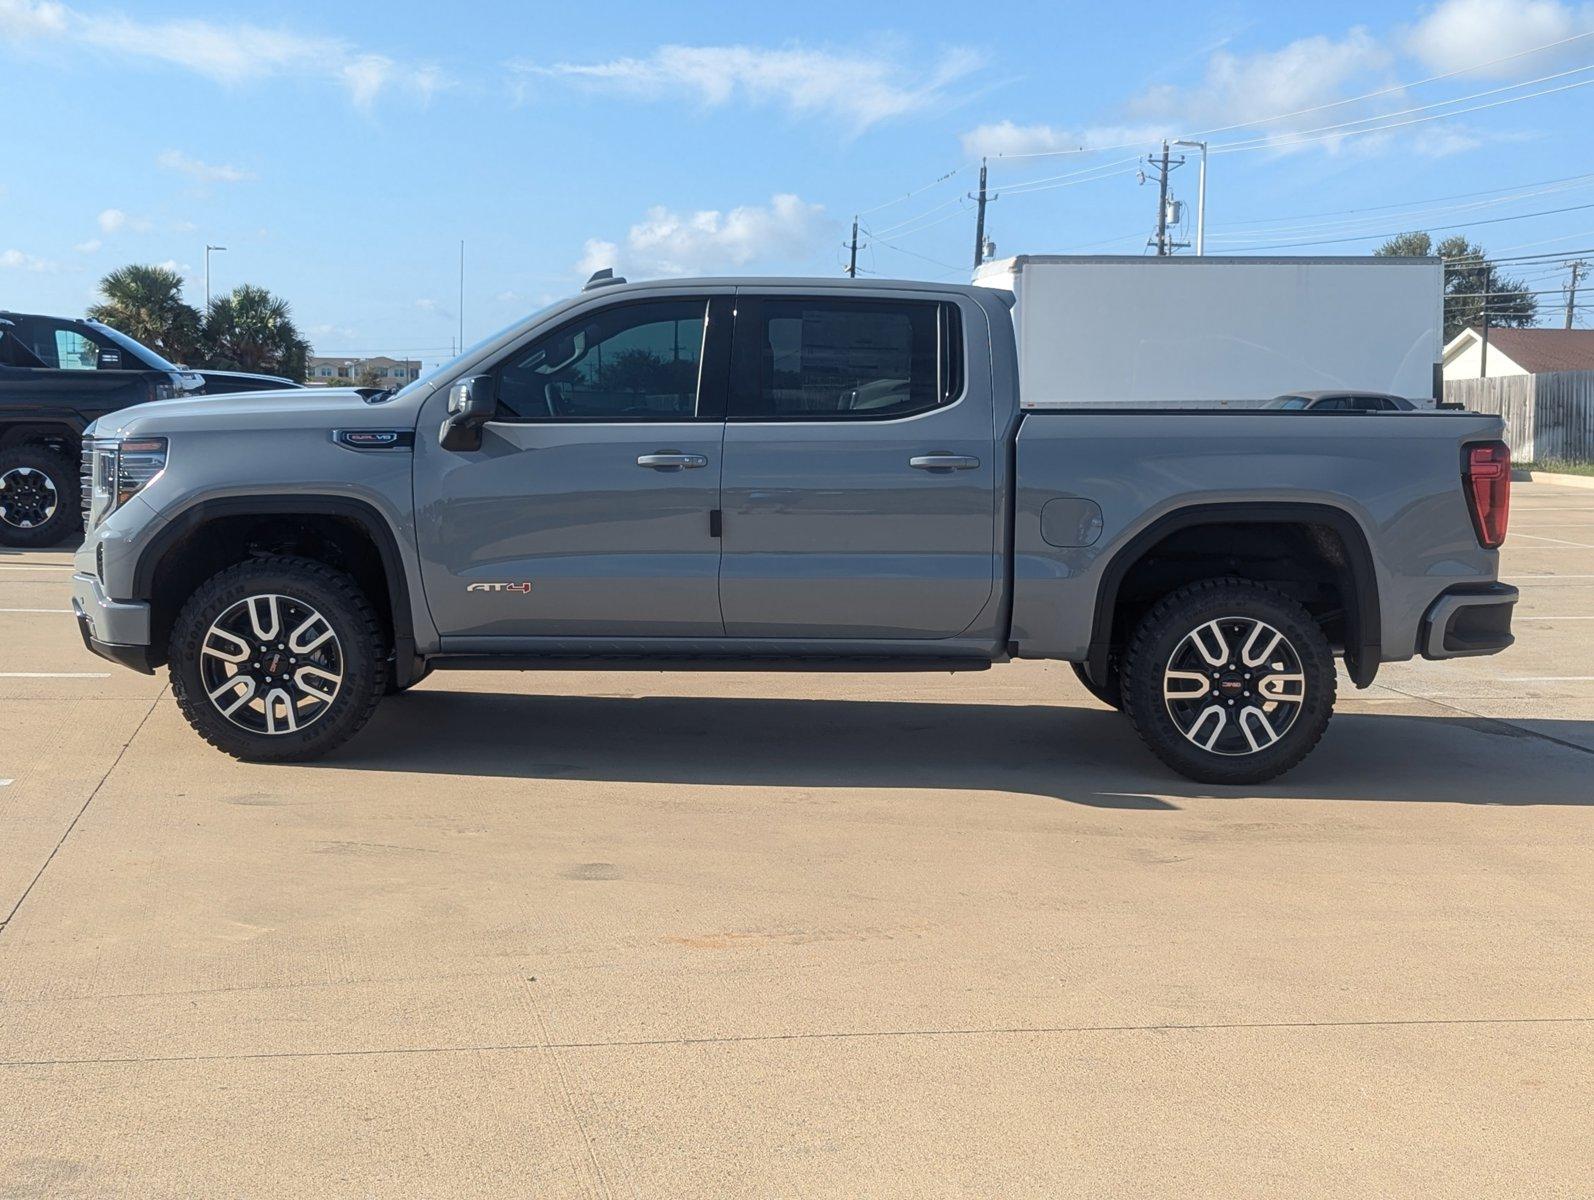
[443,370]
[142,352]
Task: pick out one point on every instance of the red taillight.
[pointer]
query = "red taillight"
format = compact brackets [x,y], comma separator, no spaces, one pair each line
[1486,479]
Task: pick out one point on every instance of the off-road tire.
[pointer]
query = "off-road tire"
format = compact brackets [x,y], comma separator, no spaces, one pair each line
[1112,695]
[345,608]
[1162,632]
[67,519]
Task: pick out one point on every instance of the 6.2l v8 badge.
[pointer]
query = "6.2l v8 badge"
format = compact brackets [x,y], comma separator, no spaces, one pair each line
[521,588]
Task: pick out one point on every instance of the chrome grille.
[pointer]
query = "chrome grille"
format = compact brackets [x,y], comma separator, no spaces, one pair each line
[86,468]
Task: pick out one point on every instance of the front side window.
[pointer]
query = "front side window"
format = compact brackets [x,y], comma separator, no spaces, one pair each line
[74,352]
[838,359]
[627,363]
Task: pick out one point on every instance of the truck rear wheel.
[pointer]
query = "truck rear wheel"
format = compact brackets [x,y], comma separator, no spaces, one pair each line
[1229,682]
[39,497]
[278,659]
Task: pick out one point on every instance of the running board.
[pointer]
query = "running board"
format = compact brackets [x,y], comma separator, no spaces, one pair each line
[698,662]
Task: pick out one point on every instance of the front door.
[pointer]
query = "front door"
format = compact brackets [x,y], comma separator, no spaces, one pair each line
[587,510]
[860,472]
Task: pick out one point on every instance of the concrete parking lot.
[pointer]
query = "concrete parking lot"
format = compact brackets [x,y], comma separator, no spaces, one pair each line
[776,935]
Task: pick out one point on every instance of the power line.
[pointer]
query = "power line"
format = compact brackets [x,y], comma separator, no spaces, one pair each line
[1289,137]
[1548,212]
[1399,87]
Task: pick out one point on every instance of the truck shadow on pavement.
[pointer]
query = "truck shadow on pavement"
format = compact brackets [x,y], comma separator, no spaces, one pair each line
[1083,755]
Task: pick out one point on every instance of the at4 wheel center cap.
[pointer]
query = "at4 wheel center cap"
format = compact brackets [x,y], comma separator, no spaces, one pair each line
[274,662]
[1231,687]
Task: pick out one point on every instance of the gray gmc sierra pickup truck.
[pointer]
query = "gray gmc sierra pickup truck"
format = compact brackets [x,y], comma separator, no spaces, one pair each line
[775,474]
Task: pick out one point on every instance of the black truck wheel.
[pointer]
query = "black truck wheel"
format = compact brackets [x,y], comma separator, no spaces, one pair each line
[1228,681]
[40,501]
[278,659]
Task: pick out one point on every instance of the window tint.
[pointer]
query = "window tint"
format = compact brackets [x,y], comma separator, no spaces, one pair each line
[630,362]
[1332,404]
[840,359]
[1295,402]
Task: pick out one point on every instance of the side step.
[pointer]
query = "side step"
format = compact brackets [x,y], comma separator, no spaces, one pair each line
[697,662]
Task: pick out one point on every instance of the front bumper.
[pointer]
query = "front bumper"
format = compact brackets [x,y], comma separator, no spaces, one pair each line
[117,630]
[1469,620]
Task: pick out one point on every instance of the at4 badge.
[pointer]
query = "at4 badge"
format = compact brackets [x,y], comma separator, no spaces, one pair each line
[521,588]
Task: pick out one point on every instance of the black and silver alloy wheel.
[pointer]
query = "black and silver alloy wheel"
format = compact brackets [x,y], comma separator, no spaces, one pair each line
[1234,685]
[278,659]
[1229,681]
[28,497]
[38,496]
[271,664]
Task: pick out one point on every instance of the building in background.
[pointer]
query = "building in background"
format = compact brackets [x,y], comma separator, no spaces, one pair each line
[347,371]
[1518,352]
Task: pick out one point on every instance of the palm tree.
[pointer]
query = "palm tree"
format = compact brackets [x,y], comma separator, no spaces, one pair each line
[249,329]
[146,303]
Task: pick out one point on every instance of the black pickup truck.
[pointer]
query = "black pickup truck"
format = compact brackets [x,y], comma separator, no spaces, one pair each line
[56,375]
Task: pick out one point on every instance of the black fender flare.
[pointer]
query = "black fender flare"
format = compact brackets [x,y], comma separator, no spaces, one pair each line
[362,513]
[1363,619]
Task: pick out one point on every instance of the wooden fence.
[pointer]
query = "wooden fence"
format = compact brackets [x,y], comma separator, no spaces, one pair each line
[1547,417]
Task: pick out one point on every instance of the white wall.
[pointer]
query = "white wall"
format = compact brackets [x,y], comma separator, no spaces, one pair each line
[1466,363]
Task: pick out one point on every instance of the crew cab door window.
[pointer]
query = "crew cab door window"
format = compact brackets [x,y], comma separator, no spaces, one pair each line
[631,362]
[832,359]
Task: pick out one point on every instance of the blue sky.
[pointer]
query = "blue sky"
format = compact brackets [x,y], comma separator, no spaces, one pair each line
[341,152]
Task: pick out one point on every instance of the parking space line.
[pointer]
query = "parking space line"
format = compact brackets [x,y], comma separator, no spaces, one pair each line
[33,567]
[52,611]
[1558,541]
[1542,619]
[1548,679]
[55,674]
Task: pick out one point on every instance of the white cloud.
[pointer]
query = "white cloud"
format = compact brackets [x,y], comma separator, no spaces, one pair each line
[176,160]
[857,88]
[670,243]
[88,247]
[1307,73]
[114,220]
[16,260]
[226,52]
[1458,35]
[1004,137]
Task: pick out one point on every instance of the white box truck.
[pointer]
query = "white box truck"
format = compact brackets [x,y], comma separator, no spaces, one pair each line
[1225,331]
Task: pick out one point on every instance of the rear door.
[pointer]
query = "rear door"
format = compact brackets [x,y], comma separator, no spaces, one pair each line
[859,484]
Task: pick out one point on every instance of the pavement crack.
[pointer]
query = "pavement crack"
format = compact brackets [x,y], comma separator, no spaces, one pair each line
[813,1036]
[56,849]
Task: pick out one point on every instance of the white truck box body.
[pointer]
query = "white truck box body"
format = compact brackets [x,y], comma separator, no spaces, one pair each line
[1229,331]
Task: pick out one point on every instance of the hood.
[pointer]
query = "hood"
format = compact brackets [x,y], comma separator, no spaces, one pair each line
[241,412]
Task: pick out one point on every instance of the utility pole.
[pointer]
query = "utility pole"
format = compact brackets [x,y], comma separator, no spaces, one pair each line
[1578,267]
[852,260]
[462,292]
[979,218]
[1483,355]
[208,249]
[1162,166]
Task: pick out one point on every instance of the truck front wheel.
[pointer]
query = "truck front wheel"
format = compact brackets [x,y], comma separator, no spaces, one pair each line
[39,497]
[278,659]
[1229,682]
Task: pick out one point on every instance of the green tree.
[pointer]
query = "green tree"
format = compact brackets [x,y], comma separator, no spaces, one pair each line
[147,304]
[249,329]
[1472,283]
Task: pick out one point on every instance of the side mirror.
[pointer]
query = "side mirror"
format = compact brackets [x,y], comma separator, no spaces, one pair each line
[470,406]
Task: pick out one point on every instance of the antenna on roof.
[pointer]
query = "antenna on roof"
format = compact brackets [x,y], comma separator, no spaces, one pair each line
[603,278]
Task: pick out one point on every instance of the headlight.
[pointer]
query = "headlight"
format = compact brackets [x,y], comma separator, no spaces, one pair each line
[118,470]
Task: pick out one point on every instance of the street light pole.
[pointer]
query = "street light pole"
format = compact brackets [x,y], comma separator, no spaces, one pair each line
[208,249]
[1201,197]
